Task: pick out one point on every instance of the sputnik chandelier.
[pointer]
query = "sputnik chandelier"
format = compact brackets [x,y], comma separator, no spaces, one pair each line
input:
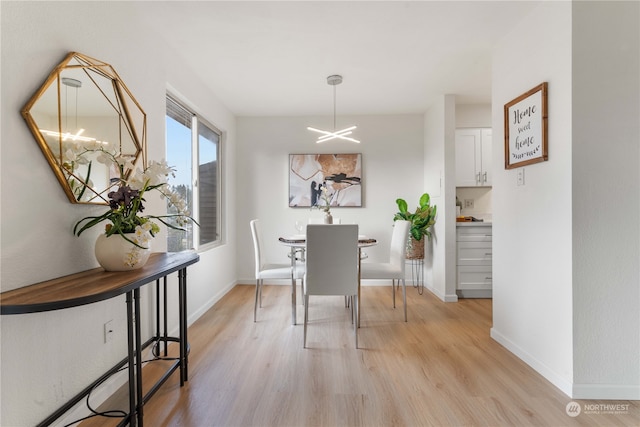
[336,134]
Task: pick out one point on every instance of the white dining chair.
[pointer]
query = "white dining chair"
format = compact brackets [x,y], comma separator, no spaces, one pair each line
[266,270]
[321,220]
[332,266]
[395,268]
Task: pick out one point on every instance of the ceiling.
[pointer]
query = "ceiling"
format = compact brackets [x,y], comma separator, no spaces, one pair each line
[396,57]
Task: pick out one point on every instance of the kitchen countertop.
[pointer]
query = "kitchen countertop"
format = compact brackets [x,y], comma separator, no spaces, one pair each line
[474,224]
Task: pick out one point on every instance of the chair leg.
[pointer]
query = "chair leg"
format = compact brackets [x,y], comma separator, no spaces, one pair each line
[393,291]
[261,283]
[350,305]
[356,309]
[255,303]
[306,318]
[404,299]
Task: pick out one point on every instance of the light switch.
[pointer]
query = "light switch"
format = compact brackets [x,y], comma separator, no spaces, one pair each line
[520,176]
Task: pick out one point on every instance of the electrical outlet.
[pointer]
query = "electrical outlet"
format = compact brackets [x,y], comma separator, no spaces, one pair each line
[468,203]
[520,176]
[108,331]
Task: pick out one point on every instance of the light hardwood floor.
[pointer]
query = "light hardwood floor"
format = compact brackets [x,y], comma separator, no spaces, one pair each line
[439,369]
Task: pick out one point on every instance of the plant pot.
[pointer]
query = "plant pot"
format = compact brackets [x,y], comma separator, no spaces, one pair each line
[328,219]
[415,249]
[114,253]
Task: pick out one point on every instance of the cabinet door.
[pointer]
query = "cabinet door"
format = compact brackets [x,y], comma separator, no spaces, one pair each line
[486,143]
[467,157]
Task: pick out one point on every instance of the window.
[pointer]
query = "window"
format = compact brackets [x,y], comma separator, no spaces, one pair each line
[193,148]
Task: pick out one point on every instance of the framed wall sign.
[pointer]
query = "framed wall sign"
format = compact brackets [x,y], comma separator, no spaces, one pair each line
[340,173]
[525,128]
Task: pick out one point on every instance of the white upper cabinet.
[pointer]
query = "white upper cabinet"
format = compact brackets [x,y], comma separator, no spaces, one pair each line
[473,157]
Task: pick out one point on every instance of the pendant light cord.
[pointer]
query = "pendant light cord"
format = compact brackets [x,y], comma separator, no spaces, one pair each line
[334,107]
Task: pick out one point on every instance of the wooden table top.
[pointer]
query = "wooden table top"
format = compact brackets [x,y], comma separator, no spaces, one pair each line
[91,286]
[300,239]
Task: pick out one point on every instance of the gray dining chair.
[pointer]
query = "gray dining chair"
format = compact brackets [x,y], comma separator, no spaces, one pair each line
[394,269]
[266,270]
[332,266]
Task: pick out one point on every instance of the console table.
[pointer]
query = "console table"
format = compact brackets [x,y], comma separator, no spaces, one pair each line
[96,285]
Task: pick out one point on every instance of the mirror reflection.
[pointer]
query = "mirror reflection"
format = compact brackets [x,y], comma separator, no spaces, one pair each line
[81,113]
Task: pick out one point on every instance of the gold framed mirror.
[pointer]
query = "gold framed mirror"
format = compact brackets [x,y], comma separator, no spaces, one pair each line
[81,111]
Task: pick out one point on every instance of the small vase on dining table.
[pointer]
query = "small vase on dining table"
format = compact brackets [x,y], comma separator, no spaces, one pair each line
[328,219]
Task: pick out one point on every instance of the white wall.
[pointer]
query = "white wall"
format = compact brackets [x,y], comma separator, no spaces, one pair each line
[47,358]
[473,116]
[566,244]
[439,141]
[532,228]
[606,244]
[392,167]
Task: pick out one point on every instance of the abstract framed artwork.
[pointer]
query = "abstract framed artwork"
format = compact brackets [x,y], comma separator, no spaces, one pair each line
[341,174]
[525,128]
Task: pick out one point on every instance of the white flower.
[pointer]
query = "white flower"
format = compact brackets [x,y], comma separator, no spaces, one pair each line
[142,234]
[69,156]
[125,162]
[109,147]
[136,179]
[104,158]
[93,145]
[133,257]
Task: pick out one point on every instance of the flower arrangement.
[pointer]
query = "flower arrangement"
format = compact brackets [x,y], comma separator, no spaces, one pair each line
[126,203]
[326,198]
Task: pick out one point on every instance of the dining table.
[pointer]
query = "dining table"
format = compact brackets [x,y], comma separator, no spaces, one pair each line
[297,244]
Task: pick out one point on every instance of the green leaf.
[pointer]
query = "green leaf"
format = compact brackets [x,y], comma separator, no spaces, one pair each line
[402,205]
[424,200]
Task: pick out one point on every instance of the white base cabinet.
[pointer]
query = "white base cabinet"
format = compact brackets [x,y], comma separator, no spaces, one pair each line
[474,260]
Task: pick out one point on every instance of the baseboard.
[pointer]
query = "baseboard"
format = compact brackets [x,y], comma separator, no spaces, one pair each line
[287,282]
[210,303]
[606,392]
[573,391]
[474,293]
[555,379]
[443,297]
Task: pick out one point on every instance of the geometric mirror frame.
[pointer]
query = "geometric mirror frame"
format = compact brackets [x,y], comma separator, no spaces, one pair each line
[82,110]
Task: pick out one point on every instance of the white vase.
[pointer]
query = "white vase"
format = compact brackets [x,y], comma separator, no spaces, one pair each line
[328,219]
[114,253]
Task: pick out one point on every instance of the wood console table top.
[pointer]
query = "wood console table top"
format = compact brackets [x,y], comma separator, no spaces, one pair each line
[91,286]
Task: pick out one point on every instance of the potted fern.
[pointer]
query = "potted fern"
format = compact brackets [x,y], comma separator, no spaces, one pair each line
[421,221]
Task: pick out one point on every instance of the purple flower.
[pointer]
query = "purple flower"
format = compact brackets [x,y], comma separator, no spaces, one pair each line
[124,196]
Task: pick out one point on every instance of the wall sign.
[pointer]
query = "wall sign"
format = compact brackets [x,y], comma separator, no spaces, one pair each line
[525,128]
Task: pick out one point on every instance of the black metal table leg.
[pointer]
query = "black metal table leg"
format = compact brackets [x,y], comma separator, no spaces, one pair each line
[131,361]
[166,327]
[183,338]
[182,329]
[138,351]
